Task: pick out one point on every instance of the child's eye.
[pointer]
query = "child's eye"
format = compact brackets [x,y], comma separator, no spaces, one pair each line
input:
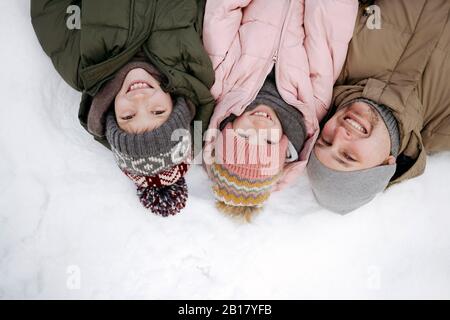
[243,135]
[157,113]
[346,156]
[128,117]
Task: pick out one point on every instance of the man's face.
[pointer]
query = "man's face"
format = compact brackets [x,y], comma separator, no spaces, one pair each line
[355,138]
[141,105]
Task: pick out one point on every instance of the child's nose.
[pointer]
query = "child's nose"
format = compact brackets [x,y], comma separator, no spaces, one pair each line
[260,124]
[137,97]
[141,99]
[263,135]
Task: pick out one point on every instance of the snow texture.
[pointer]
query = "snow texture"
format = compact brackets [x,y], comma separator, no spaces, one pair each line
[72,227]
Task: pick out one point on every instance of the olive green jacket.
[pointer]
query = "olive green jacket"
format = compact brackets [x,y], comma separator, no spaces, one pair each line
[113,31]
[405,65]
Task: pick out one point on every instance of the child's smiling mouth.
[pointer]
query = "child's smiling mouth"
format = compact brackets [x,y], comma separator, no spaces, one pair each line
[137,85]
[262,114]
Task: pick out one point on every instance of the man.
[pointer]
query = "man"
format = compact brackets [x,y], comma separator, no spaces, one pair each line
[391,104]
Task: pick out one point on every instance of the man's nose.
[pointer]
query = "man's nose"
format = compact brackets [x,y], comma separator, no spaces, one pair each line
[341,136]
[342,133]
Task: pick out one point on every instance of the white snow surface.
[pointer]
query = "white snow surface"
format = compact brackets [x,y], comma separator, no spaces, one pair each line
[72,227]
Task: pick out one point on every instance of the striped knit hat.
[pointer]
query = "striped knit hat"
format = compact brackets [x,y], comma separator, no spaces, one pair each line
[243,173]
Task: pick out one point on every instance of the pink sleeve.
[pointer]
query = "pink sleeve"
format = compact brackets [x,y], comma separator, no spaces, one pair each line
[220,30]
[329,28]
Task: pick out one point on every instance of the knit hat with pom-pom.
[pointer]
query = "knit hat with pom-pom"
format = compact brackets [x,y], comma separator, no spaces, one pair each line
[165,193]
[243,173]
[156,161]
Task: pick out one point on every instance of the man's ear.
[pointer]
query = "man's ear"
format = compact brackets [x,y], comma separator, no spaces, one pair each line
[390,160]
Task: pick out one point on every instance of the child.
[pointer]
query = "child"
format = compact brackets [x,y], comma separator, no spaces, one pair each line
[144,74]
[275,64]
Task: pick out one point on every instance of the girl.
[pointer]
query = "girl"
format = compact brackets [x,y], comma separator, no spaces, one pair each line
[275,64]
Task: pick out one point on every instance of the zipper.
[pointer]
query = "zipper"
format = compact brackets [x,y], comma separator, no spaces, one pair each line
[281,34]
[275,58]
[271,63]
[274,55]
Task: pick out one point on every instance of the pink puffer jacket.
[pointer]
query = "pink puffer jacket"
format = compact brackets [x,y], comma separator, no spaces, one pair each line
[307,41]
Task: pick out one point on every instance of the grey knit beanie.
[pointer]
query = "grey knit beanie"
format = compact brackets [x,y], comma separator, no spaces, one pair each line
[345,191]
[291,119]
[154,161]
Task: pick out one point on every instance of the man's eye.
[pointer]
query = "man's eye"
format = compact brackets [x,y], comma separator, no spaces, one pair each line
[127,117]
[326,142]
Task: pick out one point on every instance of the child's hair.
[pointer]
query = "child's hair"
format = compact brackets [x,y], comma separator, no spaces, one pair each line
[245,214]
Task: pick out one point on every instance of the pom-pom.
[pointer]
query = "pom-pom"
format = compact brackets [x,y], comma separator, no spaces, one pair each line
[165,200]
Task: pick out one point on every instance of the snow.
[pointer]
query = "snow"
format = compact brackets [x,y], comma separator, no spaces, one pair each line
[71,226]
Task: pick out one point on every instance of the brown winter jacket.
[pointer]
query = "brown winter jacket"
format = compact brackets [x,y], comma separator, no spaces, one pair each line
[405,65]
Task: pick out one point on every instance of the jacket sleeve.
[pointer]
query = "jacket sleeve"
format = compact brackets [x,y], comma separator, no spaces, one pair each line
[60,43]
[329,26]
[220,33]
[198,62]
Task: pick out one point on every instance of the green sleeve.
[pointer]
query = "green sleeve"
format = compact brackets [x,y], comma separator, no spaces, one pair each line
[61,43]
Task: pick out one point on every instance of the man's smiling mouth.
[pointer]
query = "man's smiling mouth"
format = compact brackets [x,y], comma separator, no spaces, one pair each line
[355,124]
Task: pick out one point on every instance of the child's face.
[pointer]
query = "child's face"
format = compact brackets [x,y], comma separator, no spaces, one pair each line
[260,124]
[141,105]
